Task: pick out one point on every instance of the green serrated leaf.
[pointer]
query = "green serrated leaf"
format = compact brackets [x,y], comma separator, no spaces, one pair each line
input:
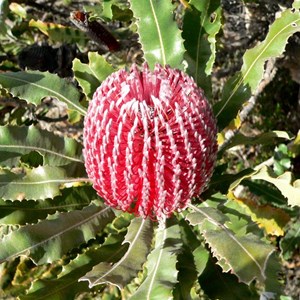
[121,223]
[33,86]
[89,76]
[94,10]
[289,188]
[245,256]
[222,182]
[188,236]
[273,287]
[239,88]
[267,193]
[161,265]
[48,240]
[159,35]
[4,9]
[201,257]
[271,219]
[272,46]
[99,67]
[66,286]
[238,178]
[60,33]
[34,184]
[219,285]
[187,275]
[18,9]
[107,10]
[201,23]
[32,159]
[56,151]
[139,237]
[235,93]
[123,15]
[265,138]
[291,241]
[239,221]
[26,212]
[296,4]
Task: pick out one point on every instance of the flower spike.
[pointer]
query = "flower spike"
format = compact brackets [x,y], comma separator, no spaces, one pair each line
[149,141]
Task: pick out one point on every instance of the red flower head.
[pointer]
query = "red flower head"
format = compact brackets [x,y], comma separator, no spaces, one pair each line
[149,141]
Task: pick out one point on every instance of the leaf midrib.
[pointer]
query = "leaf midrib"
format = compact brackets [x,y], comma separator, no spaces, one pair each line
[162,48]
[56,94]
[56,235]
[131,245]
[40,149]
[199,38]
[43,181]
[244,76]
[216,223]
[156,267]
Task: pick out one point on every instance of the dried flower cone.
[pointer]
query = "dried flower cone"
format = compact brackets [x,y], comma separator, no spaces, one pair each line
[149,141]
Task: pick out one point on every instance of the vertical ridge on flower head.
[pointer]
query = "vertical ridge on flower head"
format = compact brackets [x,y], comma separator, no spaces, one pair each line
[149,141]
[129,172]
[145,190]
[174,168]
[159,168]
[102,153]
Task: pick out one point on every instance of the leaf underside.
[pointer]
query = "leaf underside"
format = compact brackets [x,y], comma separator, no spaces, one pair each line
[285,183]
[139,238]
[161,265]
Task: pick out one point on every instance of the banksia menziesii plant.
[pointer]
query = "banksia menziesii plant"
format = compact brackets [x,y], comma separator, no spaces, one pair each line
[149,141]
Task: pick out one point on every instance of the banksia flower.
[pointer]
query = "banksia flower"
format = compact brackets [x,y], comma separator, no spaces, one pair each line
[149,141]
